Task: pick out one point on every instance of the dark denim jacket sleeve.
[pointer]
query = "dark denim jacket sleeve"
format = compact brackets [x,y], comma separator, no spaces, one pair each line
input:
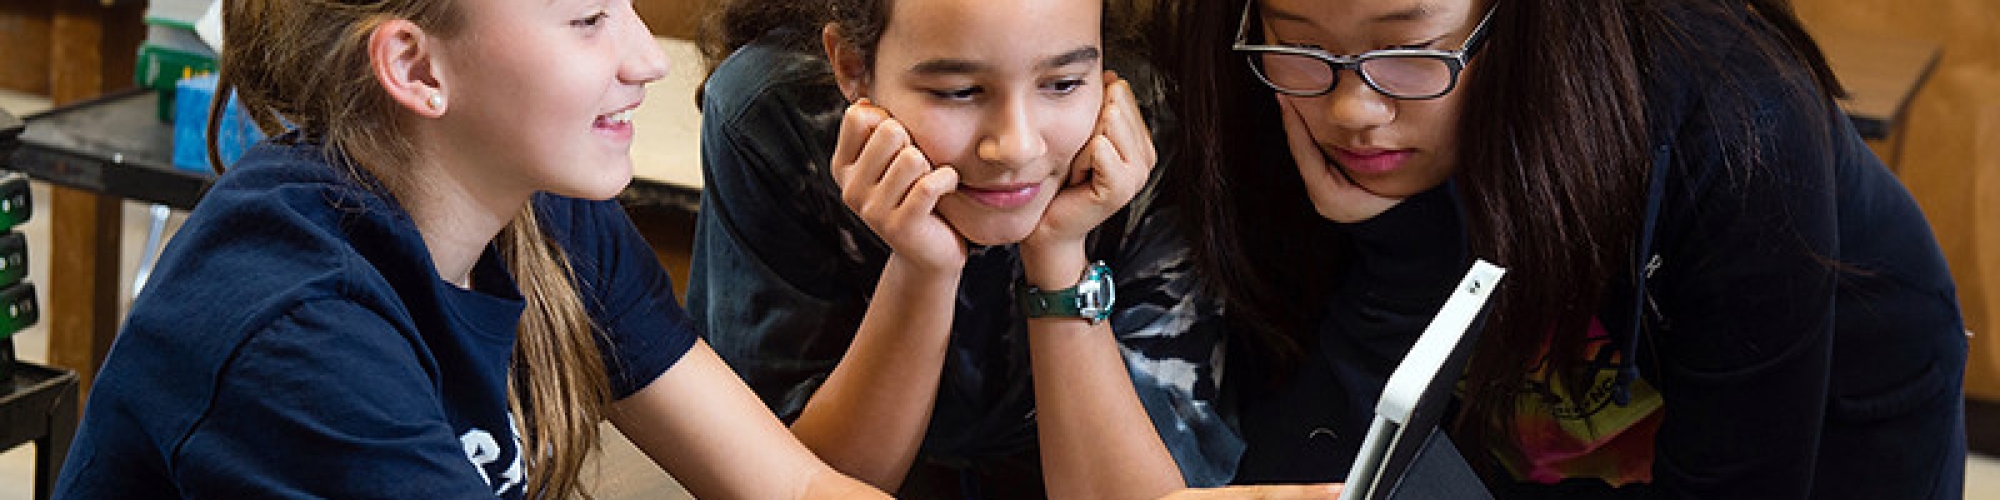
[783,270]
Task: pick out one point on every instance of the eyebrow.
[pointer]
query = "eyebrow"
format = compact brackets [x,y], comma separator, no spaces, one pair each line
[1413,13]
[1074,56]
[962,66]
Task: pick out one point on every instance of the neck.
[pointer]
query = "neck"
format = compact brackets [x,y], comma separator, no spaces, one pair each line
[457,210]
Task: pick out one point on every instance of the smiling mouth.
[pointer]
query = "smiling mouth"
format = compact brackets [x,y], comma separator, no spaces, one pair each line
[618,119]
[1002,197]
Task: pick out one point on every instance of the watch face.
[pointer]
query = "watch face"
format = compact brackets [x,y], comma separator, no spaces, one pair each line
[1096,292]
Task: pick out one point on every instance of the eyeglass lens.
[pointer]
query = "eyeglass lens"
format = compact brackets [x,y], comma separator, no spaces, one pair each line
[1415,76]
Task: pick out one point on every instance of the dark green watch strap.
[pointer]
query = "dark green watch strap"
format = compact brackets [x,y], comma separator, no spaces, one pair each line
[1090,299]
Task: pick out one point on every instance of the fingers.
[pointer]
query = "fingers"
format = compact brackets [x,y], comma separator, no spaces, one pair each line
[1335,192]
[856,125]
[925,192]
[1129,140]
[1295,491]
[1113,185]
[1125,125]
[1299,139]
[1261,492]
[884,146]
[897,182]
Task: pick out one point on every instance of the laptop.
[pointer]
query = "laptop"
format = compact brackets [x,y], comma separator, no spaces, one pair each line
[1405,455]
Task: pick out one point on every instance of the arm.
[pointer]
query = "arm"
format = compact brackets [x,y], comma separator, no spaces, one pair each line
[700,423]
[870,416]
[782,287]
[1097,441]
[677,400]
[1745,305]
[781,268]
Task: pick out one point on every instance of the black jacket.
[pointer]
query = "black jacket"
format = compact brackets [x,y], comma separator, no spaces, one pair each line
[1791,307]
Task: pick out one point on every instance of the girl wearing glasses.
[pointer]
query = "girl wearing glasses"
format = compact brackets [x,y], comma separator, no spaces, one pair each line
[1715,289]
[893,187]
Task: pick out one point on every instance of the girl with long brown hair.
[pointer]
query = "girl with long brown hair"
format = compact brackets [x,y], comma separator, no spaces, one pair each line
[1714,291]
[418,288]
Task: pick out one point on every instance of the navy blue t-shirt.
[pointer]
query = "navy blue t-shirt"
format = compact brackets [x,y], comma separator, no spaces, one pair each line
[296,342]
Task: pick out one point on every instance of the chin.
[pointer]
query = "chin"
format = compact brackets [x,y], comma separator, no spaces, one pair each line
[995,237]
[603,186]
[1393,187]
[593,192]
[993,231]
[986,226]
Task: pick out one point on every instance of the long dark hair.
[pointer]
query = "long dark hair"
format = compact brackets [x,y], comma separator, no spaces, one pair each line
[1554,147]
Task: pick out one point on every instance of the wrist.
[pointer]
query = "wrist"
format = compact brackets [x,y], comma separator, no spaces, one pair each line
[1091,298]
[922,268]
[1053,267]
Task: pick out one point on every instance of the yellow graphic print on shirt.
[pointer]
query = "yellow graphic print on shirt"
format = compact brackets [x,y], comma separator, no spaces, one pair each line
[1563,436]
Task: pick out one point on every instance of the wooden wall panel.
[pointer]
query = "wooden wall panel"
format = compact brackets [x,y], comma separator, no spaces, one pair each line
[1983,370]
[24,46]
[674,18]
[1952,166]
[41,52]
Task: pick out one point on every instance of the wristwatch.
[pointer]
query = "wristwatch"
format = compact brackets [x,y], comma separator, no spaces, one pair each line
[1090,299]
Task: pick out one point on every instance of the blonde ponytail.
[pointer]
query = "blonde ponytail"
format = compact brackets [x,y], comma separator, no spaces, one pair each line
[556,357]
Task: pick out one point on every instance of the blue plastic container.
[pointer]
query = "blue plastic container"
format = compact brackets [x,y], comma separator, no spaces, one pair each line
[235,136]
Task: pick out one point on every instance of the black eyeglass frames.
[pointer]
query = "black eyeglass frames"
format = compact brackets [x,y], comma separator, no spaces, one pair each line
[1413,74]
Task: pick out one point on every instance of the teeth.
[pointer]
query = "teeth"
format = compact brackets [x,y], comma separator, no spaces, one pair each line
[620,118]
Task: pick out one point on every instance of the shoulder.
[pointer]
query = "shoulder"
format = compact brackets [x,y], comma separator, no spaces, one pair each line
[778,72]
[770,119]
[1711,65]
[282,229]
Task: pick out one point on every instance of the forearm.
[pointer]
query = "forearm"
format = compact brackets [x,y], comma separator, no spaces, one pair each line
[703,425]
[828,483]
[869,418]
[1097,441]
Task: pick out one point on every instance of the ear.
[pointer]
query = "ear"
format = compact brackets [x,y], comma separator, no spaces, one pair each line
[403,58]
[849,70]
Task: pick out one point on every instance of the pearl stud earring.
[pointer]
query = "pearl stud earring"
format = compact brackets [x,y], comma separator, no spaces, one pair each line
[436,101]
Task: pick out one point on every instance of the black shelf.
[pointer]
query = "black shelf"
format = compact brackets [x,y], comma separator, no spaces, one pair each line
[115,145]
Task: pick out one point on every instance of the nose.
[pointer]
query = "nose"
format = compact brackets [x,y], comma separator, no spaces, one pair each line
[1353,105]
[644,60]
[1012,137]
